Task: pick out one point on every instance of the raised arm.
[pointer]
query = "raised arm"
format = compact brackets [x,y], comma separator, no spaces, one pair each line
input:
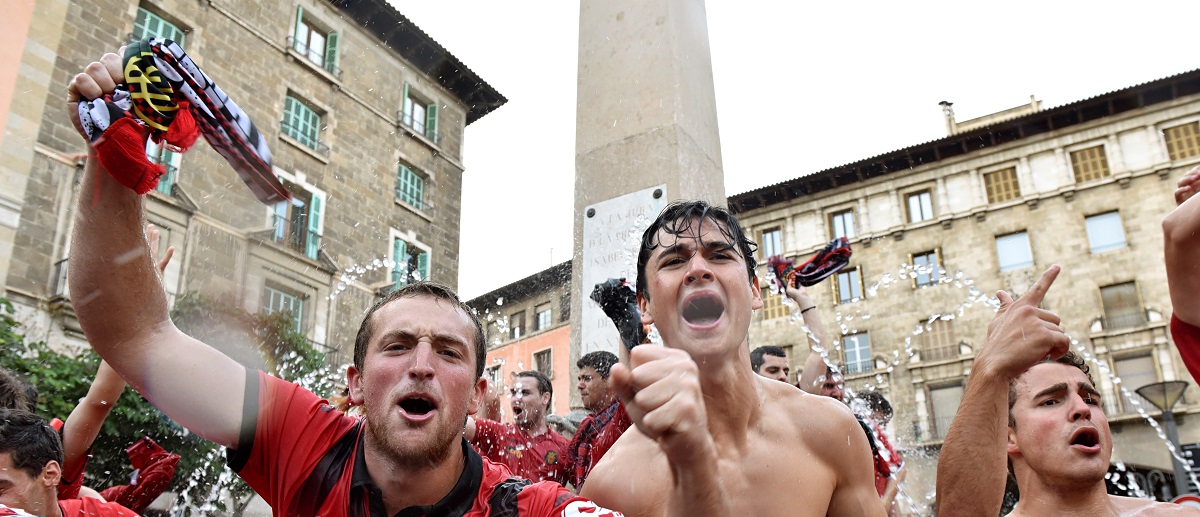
[122,306]
[1181,236]
[972,468]
[818,335]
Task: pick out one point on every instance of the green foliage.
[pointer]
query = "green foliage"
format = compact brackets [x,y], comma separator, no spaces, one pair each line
[62,380]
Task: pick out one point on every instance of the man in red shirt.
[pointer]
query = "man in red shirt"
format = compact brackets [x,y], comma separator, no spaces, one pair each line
[1181,235]
[31,469]
[529,448]
[608,421]
[417,373]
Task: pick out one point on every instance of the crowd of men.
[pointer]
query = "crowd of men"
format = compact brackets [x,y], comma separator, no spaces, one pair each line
[699,426]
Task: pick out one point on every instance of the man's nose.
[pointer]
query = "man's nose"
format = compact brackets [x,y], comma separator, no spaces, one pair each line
[421,362]
[1080,409]
[698,269]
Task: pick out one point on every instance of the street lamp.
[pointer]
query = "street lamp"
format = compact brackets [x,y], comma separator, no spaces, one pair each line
[1164,395]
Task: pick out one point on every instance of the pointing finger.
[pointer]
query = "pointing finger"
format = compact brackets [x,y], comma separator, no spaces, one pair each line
[1038,292]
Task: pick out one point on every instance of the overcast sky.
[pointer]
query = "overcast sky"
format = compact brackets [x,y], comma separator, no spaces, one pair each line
[799,87]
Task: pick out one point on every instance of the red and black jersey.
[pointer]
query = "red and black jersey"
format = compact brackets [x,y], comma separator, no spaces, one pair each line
[305,458]
[536,458]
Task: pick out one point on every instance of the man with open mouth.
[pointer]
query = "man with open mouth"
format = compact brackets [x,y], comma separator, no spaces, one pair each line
[1054,435]
[702,415]
[529,448]
[417,374]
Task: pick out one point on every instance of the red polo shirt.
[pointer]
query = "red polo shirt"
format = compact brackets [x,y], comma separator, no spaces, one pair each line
[536,458]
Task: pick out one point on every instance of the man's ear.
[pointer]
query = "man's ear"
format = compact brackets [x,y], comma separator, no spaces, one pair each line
[354,379]
[756,301]
[1012,447]
[477,395]
[51,474]
[644,308]
[546,401]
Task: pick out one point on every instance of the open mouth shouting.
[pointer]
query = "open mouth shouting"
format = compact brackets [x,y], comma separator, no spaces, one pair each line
[703,310]
[1086,439]
[417,407]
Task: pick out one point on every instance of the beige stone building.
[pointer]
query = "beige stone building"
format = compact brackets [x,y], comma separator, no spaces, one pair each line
[364,114]
[939,226]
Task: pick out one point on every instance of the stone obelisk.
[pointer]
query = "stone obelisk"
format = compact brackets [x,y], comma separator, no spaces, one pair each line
[645,134]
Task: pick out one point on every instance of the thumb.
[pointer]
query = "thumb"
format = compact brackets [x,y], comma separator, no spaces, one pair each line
[1005,299]
[620,379]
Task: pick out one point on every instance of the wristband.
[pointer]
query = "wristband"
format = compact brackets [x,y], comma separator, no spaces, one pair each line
[808,309]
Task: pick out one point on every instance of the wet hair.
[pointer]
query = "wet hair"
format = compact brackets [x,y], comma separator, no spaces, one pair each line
[600,360]
[876,403]
[757,359]
[29,439]
[683,218]
[543,383]
[1070,359]
[15,393]
[433,290]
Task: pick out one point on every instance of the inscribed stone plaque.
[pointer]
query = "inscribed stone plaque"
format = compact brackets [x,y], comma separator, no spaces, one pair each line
[611,236]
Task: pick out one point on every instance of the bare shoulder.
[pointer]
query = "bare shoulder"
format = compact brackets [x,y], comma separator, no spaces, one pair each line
[1137,507]
[807,411]
[630,477]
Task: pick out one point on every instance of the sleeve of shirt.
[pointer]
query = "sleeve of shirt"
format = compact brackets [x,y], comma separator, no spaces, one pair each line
[489,438]
[286,430]
[552,500]
[68,486]
[1187,341]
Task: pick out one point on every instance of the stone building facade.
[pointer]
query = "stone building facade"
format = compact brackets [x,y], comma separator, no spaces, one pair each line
[364,114]
[939,227]
[527,326]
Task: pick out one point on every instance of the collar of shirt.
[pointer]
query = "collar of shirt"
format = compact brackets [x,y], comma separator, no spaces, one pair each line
[457,502]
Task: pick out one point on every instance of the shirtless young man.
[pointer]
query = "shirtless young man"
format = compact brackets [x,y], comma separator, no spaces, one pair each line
[1053,431]
[697,401]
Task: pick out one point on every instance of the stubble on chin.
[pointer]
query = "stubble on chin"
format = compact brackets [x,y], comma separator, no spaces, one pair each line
[413,455]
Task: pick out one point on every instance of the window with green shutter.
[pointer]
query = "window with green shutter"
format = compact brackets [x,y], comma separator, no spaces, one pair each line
[410,263]
[301,122]
[410,187]
[316,43]
[419,114]
[150,25]
[276,300]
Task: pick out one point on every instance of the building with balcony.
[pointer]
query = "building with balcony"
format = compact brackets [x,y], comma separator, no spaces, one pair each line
[938,227]
[364,114]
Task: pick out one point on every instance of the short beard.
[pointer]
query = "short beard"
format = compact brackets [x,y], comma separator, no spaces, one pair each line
[406,455]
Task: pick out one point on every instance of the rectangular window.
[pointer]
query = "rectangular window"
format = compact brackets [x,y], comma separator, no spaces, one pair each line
[841,224]
[275,300]
[410,263]
[150,25]
[316,44]
[157,153]
[857,350]
[772,243]
[944,401]
[544,317]
[939,340]
[543,363]
[1122,306]
[926,268]
[301,123]
[420,115]
[1089,164]
[297,222]
[1105,232]
[773,306]
[920,206]
[1135,372]
[849,285]
[1013,251]
[1183,141]
[516,325]
[1002,185]
[410,187]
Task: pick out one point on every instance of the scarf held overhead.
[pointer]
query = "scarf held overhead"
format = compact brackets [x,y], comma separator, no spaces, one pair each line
[167,98]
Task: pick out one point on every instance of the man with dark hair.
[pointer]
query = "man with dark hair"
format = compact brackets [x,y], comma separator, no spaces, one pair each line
[31,469]
[529,448]
[702,415]
[15,392]
[1054,431]
[417,374]
[608,419]
[770,362]
[1181,238]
